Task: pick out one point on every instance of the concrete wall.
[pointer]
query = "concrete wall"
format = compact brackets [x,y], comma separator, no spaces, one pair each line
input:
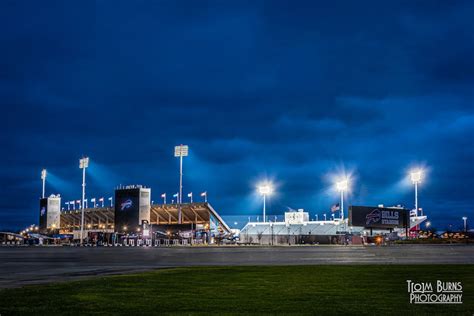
[290,239]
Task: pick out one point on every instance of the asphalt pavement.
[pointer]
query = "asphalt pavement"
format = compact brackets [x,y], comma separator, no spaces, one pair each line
[41,264]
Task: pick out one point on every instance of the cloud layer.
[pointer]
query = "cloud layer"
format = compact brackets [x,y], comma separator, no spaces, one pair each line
[295,92]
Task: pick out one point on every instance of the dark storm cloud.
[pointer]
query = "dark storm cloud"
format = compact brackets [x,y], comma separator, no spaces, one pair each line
[296,92]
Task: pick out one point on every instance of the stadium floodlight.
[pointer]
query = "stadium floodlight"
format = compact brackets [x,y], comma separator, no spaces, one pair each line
[180,151]
[416,177]
[342,186]
[264,190]
[464,218]
[43,178]
[83,164]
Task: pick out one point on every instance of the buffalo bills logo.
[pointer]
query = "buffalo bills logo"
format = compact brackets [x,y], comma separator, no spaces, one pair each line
[126,204]
[43,211]
[373,217]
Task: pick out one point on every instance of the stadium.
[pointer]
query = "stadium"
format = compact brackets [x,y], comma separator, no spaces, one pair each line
[132,219]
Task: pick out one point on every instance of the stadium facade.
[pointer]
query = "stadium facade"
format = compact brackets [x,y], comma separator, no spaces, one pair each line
[297,228]
[133,216]
[134,219]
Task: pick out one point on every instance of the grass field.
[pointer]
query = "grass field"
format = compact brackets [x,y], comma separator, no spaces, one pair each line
[321,290]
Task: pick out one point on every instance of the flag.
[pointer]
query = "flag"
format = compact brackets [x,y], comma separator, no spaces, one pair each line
[163,195]
[78,201]
[203,194]
[93,200]
[335,207]
[175,195]
[190,194]
[101,199]
[110,198]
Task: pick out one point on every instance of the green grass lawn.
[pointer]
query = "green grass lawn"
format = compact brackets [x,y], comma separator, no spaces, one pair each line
[321,290]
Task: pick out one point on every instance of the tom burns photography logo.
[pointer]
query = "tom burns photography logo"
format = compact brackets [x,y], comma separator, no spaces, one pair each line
[435,293]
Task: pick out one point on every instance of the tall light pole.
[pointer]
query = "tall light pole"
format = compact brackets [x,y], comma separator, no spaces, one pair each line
[180,151]
[43,178]
[83,164]
[464,218]
[264,190]
[416,176]
[342,186]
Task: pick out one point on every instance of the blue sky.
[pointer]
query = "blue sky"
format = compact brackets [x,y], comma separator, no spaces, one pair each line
[295,92]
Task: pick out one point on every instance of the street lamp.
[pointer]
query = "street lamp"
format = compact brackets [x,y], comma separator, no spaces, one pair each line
[83,164]
[342,186]
[464,218]
[43,178]
[180,151]
[264,190]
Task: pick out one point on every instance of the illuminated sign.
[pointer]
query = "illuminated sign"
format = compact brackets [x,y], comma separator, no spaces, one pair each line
[126,204]
[378,217]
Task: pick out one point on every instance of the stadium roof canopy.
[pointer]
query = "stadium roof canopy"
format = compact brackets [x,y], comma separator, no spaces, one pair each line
[164,214]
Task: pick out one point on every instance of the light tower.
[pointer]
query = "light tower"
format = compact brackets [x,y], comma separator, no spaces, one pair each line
[83,164]
[264,190]
[180,151]
[416,176]
[43,178]
[342,186]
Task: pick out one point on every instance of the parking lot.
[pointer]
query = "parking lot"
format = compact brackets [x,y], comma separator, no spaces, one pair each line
[29,265]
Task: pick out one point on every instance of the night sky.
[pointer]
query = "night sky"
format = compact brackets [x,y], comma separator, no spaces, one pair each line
[299,93]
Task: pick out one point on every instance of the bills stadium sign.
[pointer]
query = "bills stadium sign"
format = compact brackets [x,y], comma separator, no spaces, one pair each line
[378,217]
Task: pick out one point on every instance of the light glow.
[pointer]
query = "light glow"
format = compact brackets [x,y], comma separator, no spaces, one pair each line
[342,185]
[265,189]
[416,176]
